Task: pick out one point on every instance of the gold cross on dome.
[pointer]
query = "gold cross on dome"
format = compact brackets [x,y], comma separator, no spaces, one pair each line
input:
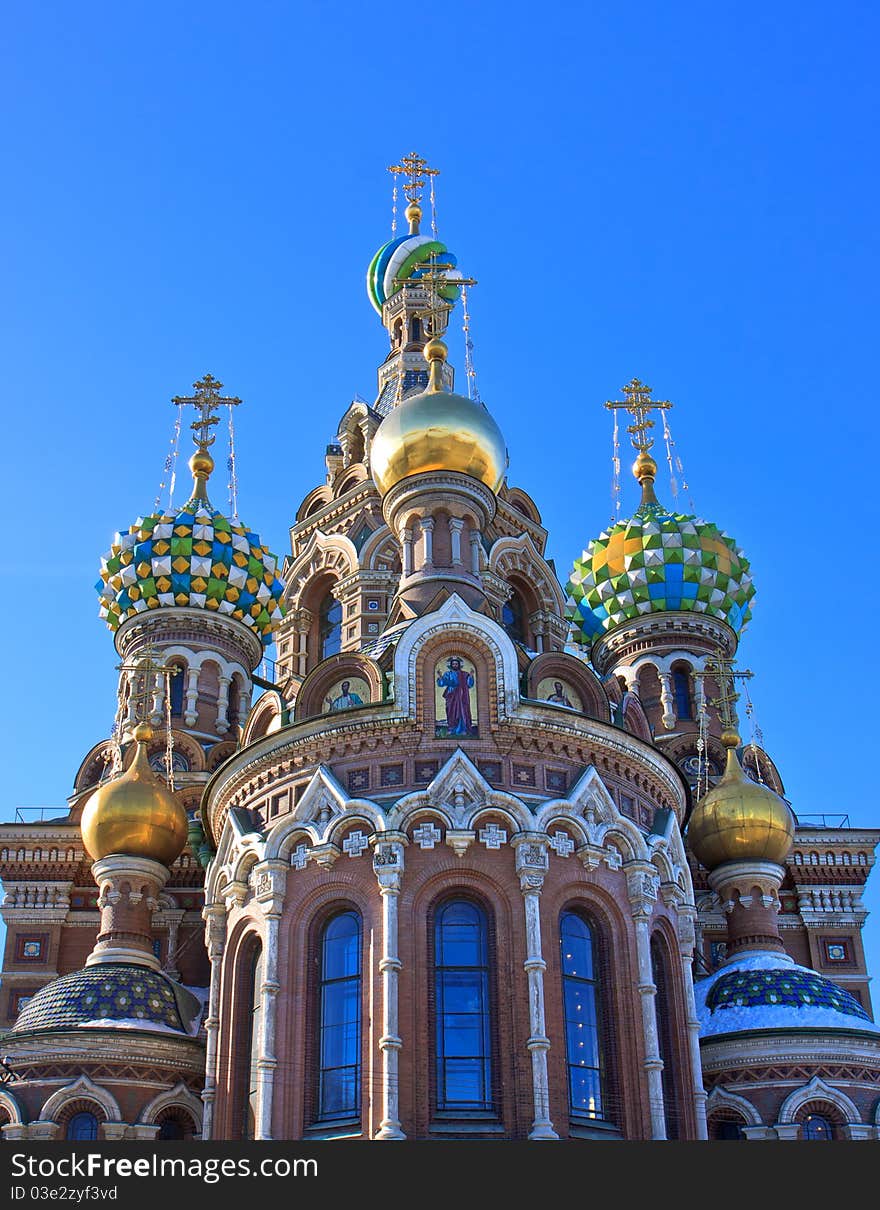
[143,670]
[639,404]
[416,168]
[207,399]
[726,675]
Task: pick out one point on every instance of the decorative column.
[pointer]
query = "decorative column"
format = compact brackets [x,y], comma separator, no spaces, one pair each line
[173,918]
[456,525]
[192,697]
[406,546]
[531,866]
[667,701]
[270,883]
[302,621]
[214,916]
[641,887]
[388,868]
[476,547]
[427,526]
[222,724]
[129,895]
[686,942]
[158,708]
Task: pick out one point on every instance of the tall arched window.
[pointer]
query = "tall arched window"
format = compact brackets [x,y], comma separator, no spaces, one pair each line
[81,1126]
[583,1026]
[663,1009]
[252,1025]
[512,618]
[461,989]
[339,1016]
[331,626]
[681,692]
[176,691]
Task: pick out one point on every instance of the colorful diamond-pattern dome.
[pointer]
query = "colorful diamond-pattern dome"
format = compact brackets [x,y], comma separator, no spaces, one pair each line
[658,561]
[110,993]
[196,558]
[794,987]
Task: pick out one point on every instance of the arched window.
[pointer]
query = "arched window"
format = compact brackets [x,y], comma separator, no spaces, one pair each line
[461,988]
[331,626]
[726,1129]
[512,618]
[817,1129]
[583,1027]
[177,690]
[252,1026]
[681,692]
[83,1125]
[339,1016]
[170,1131]
[663,1007]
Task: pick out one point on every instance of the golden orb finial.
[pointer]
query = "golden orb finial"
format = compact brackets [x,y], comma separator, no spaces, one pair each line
[738,819]
[135,814]
[645,470]
[413,214]
[435,353]
[201,464]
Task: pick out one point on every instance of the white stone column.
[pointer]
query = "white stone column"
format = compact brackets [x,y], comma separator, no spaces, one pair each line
[476,546]
[531,865]
[388,868]
[158,709]
[667,700]
[641,885]
[192,697]
[456,525]
[269,886]
[303,622]
[214,916]
[686,942]
[427,524]
[406,546]
[222,724]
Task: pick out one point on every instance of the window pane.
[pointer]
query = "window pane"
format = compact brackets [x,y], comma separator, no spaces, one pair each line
[340,1017]
[466,1084]
[462,996]
[580,1003]
[577,947]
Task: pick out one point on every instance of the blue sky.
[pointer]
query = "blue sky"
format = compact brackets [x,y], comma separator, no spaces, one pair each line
[679,192]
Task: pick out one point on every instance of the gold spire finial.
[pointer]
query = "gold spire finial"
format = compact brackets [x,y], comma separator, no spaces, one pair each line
[435,352]
[147,677]
[639,404]
[415,168]
[722,669]
[207,399]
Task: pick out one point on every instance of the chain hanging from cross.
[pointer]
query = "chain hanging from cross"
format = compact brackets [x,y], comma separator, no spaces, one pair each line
[725,674]
[432,279]
[143,688]
[206,399]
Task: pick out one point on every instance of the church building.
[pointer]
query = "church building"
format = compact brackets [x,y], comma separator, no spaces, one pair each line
[478,853]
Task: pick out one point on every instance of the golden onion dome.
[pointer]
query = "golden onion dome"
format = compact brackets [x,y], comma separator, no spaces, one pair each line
[438,430]
[135,813]
[740,820]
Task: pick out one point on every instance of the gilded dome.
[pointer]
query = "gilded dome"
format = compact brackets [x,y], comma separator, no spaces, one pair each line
[740,820]
[195,558]
[135,814]
[438,430]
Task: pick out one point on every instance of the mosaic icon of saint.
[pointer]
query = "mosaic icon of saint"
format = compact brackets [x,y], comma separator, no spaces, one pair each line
[456,684]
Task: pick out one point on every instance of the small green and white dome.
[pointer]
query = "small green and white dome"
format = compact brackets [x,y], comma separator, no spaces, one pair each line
[195,558]
[407,258]
[657,561]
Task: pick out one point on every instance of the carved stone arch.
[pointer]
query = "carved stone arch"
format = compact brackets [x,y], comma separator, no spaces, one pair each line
[219,753]
[523,503]
[634,719]
[78,1090]
[286,836]
[326,554]
[177,1097]
[359,816]
[454,620]
[619,836]
[314,502]
[246,862]
[10,1106]
[480,814]
[93,766]
[381,546]
[519,558]
[350,477]
[264,718]
[311,699]
[721,1099]
[818,1090]
[184,743]
[569,670]
[563,818]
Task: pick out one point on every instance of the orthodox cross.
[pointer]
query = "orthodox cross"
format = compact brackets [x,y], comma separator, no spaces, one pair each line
[639,404]
[726,676]
[416,168]
[143,671]
[207,399]
[432,279]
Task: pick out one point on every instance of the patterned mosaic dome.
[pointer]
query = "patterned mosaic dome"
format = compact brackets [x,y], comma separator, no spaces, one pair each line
[658,561]
[407,257]
[107,995]
[762,990]
[196,558]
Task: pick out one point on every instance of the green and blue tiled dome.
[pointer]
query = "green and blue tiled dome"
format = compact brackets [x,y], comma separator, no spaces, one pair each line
[761,990]
[408,258]
[111,994]
[657,561]
[195,558]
